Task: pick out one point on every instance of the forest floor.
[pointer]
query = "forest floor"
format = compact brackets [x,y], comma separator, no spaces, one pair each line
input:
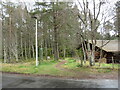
[67,68]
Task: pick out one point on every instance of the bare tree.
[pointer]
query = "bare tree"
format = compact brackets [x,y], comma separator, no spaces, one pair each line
[89,18]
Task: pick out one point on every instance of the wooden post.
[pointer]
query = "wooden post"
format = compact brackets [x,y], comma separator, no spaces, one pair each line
[112,62]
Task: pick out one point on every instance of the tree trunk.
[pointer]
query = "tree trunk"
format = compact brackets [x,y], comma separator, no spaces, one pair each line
[16,47]
[56,57]
[5,54]
[92,60]
[41,52]
[81,53]
[84,52]
[10,40]
[33,51]
[21,46]
[88,51]
[64,52]
[25,46]
[46,50]
[29,49]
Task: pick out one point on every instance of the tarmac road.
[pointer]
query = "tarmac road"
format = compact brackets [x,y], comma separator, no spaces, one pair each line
[22,81]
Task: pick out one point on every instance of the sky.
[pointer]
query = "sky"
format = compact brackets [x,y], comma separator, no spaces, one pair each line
[31,2]
[108,7]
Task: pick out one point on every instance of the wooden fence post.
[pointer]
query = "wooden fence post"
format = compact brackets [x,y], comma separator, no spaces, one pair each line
[112,62]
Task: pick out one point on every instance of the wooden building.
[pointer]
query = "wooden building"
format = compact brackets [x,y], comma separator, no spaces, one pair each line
[110,49]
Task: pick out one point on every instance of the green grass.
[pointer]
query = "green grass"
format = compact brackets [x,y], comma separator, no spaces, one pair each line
[45,68]
[75,65]
[105,65]
[72,63]
[48,67]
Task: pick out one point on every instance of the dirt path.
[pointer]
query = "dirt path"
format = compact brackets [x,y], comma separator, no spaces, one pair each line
[79,75]
[84,75]
[59,65]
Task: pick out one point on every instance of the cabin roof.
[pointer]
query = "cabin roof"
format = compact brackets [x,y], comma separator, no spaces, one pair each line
[111,46]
